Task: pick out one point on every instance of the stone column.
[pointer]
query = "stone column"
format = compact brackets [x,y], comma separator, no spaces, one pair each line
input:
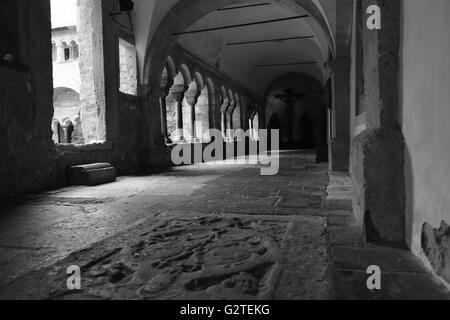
[229,121]
[250,129]
[92,71]
[178,96]
[192,99]
[67,128]
[56,129]
[59,53]
[163,106]
[340,141]
[223,113]
[377,155]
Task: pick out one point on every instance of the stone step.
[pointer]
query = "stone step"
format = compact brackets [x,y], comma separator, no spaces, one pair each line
[92,174]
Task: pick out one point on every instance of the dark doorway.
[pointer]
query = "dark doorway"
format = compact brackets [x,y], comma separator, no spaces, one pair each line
[306,132]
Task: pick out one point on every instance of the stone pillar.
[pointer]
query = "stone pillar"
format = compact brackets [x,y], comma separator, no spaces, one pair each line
[178,96]
[229,120]
[192,99]
[377,155]
[223,113]
[250,129]
[163,107]
[339,146]
[56,129]
[92,70]
[59,53]
[67,128]
[256,126]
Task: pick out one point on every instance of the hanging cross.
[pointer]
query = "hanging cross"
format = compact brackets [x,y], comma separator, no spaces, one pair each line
[290,98]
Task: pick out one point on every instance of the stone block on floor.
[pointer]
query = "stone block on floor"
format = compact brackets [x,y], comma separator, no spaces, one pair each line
[92,174]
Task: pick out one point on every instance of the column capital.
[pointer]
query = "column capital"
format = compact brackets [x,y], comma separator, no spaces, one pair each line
[164,91]
[192,97]
[178,91]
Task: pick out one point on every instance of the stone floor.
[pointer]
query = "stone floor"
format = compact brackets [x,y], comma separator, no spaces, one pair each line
[209,231]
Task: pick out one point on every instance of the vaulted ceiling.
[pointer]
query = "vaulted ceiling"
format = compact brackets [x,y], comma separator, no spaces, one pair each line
[255,42]
[256,54]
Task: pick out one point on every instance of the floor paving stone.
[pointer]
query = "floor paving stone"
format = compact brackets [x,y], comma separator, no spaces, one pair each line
[207,231]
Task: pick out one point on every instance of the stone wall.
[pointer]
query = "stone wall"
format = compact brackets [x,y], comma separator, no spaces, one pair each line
[128,68]
[377,158]
[66,74]
[26,111]
[425,122]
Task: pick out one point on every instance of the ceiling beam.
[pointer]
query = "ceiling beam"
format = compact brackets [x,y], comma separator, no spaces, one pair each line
[246,6]
[241,25]
[284,64]
[268,40]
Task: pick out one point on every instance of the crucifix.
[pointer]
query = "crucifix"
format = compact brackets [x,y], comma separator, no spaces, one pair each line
[290,98]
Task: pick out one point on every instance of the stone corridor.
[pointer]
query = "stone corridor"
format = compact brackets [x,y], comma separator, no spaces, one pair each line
[208,231]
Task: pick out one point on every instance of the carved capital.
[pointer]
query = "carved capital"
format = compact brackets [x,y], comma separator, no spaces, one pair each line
[177,92]
[192,97]
[165,91]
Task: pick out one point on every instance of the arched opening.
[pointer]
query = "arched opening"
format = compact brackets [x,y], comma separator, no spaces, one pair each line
[297,103]
[174,100]
[65,51]
[66,125]
[202,115]
[236,116]
[66,103]
[78,64]
[213,109]
[287,36]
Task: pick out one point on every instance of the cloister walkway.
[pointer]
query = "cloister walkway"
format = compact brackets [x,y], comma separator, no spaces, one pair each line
[208,231]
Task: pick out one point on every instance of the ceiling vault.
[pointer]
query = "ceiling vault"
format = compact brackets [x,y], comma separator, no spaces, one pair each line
[245,6]
[269,40]
[284,64]
[241,25]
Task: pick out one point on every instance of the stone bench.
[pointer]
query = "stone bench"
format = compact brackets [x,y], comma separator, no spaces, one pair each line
[92,174]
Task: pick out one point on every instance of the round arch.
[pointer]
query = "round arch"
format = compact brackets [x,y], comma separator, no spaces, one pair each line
[187,12]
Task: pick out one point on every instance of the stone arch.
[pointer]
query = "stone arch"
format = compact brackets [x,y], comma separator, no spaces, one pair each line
[171,67]
[198,78]
[185,71]
[230,111]
[224,104]
[66,103]
[202,112]
[191,97]
[186,12]
[236,115]
[66,52]
[304,120]
[212,101]
[67,129]
[174,110]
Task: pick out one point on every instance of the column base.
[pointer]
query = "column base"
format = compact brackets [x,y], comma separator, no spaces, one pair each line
[377,169]
[339,154]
